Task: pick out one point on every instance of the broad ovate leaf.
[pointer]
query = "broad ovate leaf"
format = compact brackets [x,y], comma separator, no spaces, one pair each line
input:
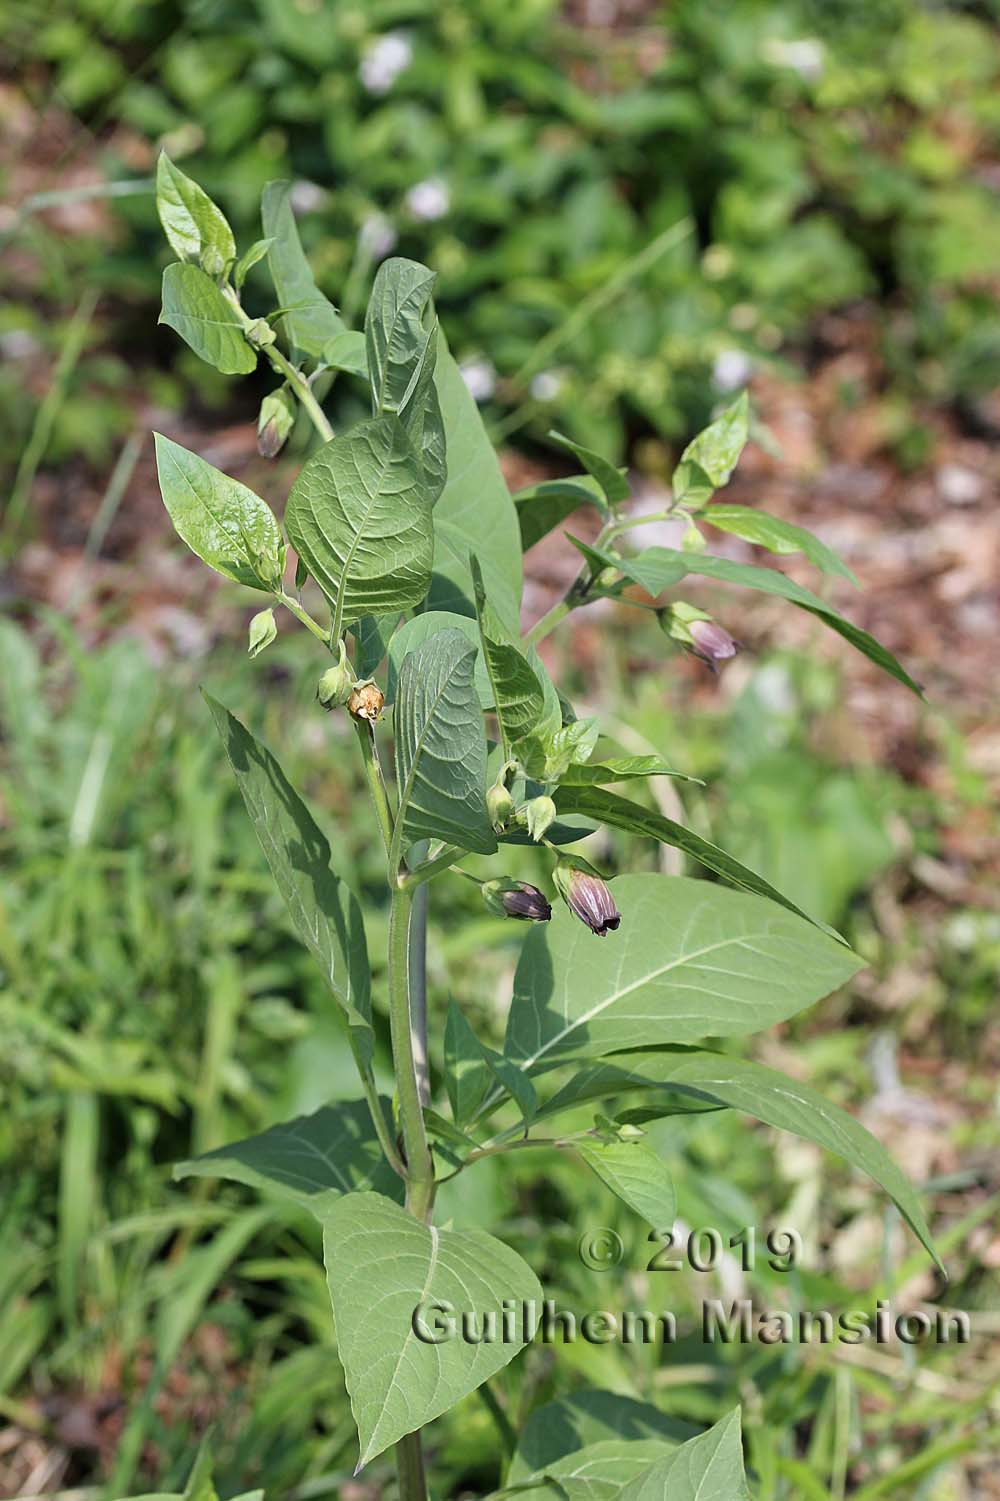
[192,223]
[225,523]
[441,747]
[787,1104]
[310,318]
[387,1273]
[359,516]
[334,1150]
[706,1468]
[710,458]
[636,1175]
[194,307]
[401,344]
[324,911]
[418,629]
[691,960]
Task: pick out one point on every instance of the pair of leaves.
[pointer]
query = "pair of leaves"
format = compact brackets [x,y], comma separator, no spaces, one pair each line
[401,348]
[359,516]
[225,523]
[659,568]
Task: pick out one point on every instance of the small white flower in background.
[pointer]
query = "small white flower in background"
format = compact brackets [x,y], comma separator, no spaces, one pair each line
[306,197]
[428,200]
[384,60]
[480,378]
[805,56]
[732,369]
[377,236]
[958,485]
[546,385]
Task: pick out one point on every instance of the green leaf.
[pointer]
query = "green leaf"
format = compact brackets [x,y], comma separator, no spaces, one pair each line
[761,1092]
[441,747]
[249,259]
[706,1468]
[637,1176]
[200,1485]
[777,536]
[711,457]
[372,634]
[597,1472]
[467,1076]
[382,1266]
[324,911]
[401,343]
[621,813]
[583,1419]
[619,769]
[475,512]
[347,351]
[544,506]
[657,568]
[418,629]
[360,516]
[691,960]
[334,1150]
[191,222]
[194,307]
[614,485]
[517,694]
[311,319]
[228,526]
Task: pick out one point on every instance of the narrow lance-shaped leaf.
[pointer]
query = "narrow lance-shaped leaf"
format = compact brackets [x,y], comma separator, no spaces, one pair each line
[699,961]
[441,747]
[225,523]
[518,696]
[334,1150]
[195,308]
[360,517]
[761,1092]
[636,1175]
[777,536]
[310,318]
[249,259]
[192,223]
[388,1274]
[620,769]
[613,484]
[324,911]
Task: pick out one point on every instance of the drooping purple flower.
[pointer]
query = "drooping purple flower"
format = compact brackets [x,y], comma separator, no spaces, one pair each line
[516,899]
[587,895]
[711,642]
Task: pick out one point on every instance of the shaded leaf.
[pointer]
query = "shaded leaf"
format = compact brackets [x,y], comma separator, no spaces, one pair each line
[598,1472]
[585,1418]
[226,524]
[613,484]
[518,696]
[467,1075]
[194,307]
[545,505]
[401,345]
[347,351]
[418,629]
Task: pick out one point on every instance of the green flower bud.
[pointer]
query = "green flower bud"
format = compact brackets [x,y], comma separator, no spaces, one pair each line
[539,815]
[630,1133]
[262,632]
[212,261]
[337,683]
[499,805]
[275,421]
[260,333]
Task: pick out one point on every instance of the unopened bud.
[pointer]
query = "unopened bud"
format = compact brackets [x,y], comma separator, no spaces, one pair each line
[539,815]
[586,894]
[275,421]
[711,642]
[212,262]
[499,805]
[337,684]
[630,1133]
[516,899]
[260,333]
[366,701]
[263,631]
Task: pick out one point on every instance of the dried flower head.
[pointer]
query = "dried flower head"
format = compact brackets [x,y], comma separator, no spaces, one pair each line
[366,702]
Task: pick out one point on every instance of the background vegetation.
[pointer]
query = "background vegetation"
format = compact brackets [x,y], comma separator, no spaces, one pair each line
[633,209]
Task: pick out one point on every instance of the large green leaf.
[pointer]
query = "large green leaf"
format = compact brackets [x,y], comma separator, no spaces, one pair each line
[401,342]
[706,1468]
[711,457]
[310,318]
[585,1418]
[384,1269]
[544,506]
[761,1092]
[228,526]
[334,1150]
[517,693]
[636,1175]
[324,911]
[195,308]
[475,512]
[659,568]
[621,813]
[691,960]
[418,629]
[359,516]
[191,222]
[777,536]
[441,746]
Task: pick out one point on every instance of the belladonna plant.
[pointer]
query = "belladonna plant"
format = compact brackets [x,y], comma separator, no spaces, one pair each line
[407,574]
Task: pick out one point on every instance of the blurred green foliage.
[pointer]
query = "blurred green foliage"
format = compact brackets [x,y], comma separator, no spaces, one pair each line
[812,154]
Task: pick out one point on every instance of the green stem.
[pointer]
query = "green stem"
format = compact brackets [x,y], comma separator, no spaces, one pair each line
[418,991]
[576,595]
[304,618]
[410,1468]
[419,1163]
[301,387]
[376,785]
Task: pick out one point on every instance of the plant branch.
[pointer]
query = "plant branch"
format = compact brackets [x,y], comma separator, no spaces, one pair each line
[577,593]
[376,784]
[410,1468]
[304,618]
[418,991]
[419,1163]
